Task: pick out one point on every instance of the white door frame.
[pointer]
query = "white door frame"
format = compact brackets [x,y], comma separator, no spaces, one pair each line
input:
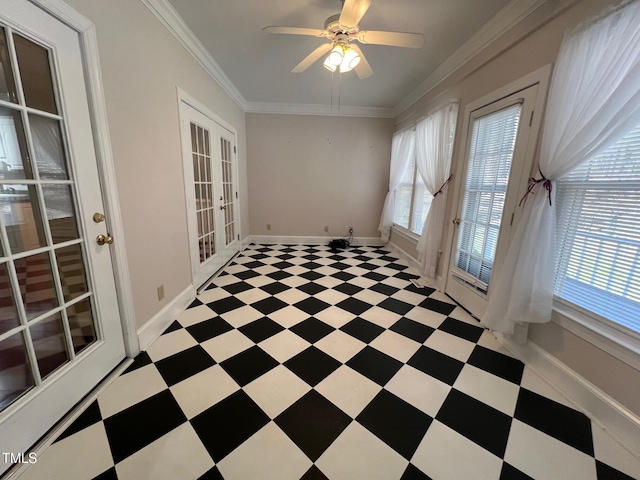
[184,97]
[542,77]
[104,155]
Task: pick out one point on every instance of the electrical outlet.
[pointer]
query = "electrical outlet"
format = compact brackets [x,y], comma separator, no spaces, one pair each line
[268,226]
[160,292]
[326,228]
[350,230]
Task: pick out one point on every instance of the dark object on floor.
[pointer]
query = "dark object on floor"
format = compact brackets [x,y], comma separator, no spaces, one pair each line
[340,243]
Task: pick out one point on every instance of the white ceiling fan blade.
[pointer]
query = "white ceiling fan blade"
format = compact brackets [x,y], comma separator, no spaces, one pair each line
[295,31]
[394,39]
[363,69]
[352,12]
[312,58]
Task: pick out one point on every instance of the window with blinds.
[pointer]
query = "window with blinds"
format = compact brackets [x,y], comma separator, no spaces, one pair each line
[404,193]
[491,150]
[598,235]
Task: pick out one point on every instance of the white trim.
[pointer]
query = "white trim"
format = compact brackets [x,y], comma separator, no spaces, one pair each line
[102,141]
[45,442]
[203,109]
[168,16]
[514,12]
[245,243]
[296,240]
[622,424]
[302,109]
[404,233]
[413,263]
[598,333]
[151,330]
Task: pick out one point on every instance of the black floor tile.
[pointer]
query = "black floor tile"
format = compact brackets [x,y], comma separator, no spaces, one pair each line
[396,306]
[375,365]
[462,329]
[312,365]
[87,418]
[107,475]
[406,276]
[426,291]
[437,306]
[348,288]
[195,303]
[208,329]
[269,305]
[340,266]
[384,289]
[353,305]
[137,426]
[369,266]
[213,474]
[254,264]
[497,363]
[312,329]
[311,305]
[510,472]
[141,360]
[476,421]
[605,472]
[394,421]
[311,265]
[311,275]
[375,276]
[172,328]
[261,329]
[362,329]
[283,265]
[413,473]
[184,364]
[413,330]
[397,266]
[228,424]
[238,287]
[313,423]
[275,287]
[311,288]
[436,364]
[279,275]
[225,305]
[245,367]
[344,276]
[246,275]
[314,474]
[554,419]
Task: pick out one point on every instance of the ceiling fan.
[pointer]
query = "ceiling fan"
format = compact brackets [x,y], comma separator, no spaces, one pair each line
[341,30]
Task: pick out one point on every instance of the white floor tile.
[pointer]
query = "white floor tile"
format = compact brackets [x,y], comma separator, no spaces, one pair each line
[363,282]
[170,343]
[451,345]
[277,390]
[268,455]
[129,389]
[490,389]
[208,296]
[359,454]
[241,316]
[194,315]
[331,296]
[253,295]
[340,345]
[395,345]
[294,281]
[334,316]
[284,345]
[609,451]
[409,297]
[328,282]
[444,454]
[370,296]
[381,316]
[203,390]
[227,345]
[178,454]
[395,282]
[288,316]
[419,389]
[349,390]
[541,456]
[426,317]
[291,296]
[532,381]
[459,313]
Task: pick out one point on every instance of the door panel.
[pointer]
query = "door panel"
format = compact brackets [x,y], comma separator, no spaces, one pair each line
[497,158]
[60,330]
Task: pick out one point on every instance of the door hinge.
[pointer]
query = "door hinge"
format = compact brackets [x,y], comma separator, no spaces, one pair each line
[531,119]
[236,194]
[238,236]
[512,215]
[234,149]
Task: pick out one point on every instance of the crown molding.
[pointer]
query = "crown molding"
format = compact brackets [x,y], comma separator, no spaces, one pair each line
[326,110]
[509,16]
[168,16]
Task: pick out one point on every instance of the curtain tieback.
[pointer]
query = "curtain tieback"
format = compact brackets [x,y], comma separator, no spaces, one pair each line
[443,185]
[548,186]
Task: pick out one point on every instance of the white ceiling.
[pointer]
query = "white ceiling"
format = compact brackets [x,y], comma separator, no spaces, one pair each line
[259,64]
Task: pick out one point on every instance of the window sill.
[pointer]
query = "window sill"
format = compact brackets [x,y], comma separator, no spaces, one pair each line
[405,234]
[614,339]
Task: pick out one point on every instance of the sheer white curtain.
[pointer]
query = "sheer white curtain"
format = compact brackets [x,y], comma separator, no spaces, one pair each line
[402,152]
[593,101]
[434,145]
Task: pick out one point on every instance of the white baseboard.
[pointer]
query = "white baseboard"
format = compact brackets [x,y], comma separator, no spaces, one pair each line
[165,317]
[295,240]
[415,264]
[622,424]
[245,243]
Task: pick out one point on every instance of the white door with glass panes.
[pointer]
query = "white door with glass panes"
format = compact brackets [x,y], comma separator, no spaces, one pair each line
[500,146]
[60,331]
[210,183]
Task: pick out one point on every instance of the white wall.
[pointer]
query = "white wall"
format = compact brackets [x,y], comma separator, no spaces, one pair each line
[142,63]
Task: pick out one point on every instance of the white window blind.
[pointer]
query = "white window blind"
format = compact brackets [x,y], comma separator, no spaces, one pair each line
[598,236]
[489,163]
[404,195]
[421,203]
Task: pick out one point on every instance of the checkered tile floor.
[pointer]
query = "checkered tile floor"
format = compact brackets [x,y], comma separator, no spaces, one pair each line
[297,363]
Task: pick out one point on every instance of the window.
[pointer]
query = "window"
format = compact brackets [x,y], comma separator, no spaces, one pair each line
[598,237]
[412,201]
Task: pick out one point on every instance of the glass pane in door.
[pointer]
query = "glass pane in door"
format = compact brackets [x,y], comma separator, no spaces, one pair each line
[200,150]
[491,152]
[46,310]
[227,189]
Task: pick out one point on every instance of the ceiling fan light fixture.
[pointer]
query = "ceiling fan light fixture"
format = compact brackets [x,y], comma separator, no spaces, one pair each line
[350,60]
[328,65]
[336,56]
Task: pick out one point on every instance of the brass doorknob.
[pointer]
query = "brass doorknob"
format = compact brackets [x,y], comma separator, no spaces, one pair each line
[456,221]
[102,239]
[98,217]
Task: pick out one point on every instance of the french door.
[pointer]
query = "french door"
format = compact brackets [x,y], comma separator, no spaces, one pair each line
[498,159]
[60,331]
[209,155]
